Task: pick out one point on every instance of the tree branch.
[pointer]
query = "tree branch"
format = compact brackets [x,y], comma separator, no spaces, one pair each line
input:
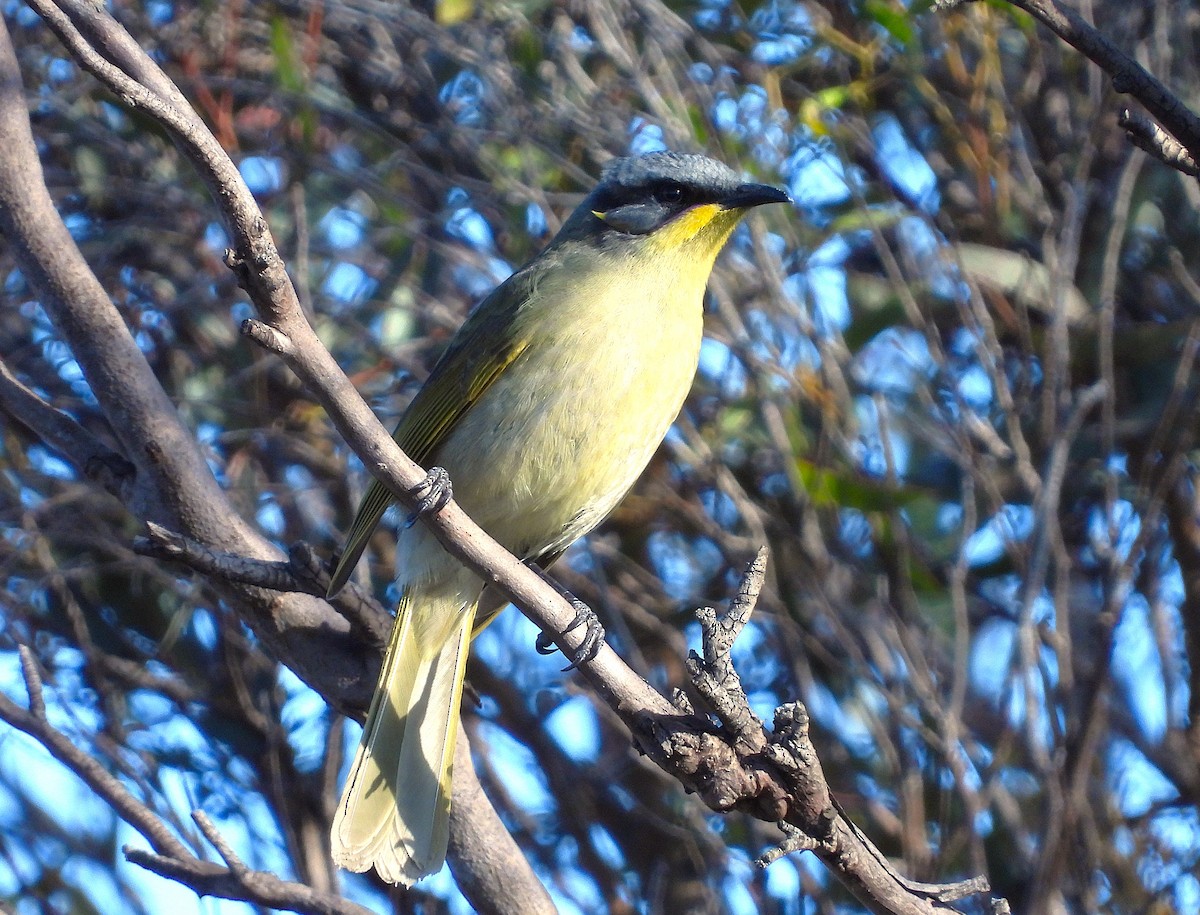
[170,857]
[171,482]
[714,676]
[1179,136]
[730,767]
[303,571]
[1148,136]
[175,486]
[87,453]
[482,849]
[241,883]
[34,723]
[173,479]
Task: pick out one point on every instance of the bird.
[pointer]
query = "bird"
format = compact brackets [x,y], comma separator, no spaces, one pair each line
[543,410]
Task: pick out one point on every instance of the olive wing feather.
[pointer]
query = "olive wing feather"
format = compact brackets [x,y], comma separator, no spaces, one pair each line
[484,347]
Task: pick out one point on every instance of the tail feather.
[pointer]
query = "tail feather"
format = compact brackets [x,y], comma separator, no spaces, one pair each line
[394,814]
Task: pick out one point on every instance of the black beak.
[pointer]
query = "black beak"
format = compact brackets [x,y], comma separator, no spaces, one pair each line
[753,195]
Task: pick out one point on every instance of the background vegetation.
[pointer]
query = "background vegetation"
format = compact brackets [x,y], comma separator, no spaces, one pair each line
[952,390]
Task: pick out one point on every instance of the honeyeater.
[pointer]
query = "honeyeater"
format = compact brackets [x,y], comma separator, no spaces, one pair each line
[544,409]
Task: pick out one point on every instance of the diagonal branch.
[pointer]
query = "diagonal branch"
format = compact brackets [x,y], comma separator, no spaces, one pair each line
[241,883]
[169,856]
[302,572]
[66,436]
[170,482]
[713,675]
[35,723]
[1129,78]
[1149,137]
[774,780]
[173,478]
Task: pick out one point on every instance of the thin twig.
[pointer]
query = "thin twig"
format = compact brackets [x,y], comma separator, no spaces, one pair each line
[1148,136]
[67,751]
[256,887]
[1128,76]
[302,572]
[714,676]
[170,857]
[66,436]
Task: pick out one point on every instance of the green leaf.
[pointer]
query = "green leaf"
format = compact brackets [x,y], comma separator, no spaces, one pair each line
[287,67]
[1021,279]
[895,21]
[881,217]
[839,489]
[448,12]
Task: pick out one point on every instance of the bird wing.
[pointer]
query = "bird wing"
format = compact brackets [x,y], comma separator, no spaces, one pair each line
[482,349]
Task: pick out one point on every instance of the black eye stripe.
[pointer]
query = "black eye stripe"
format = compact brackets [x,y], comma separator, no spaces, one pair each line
[669,196]
[669,193]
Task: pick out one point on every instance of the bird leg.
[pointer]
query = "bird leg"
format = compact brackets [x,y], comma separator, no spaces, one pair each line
[432,494]
[584,616]
[592,640]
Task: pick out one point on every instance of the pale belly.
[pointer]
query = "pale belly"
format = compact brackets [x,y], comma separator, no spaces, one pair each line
[553,445]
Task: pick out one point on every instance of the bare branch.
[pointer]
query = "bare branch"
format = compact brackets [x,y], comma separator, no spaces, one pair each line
[34,723]
[256,887]
[131,74]
[794,840]
[490,867]
[1180,131]
[714,676]
[302,571]
[170,857]
[1148,136]
[173,480]
[237,866]
[172,484]
[62,433]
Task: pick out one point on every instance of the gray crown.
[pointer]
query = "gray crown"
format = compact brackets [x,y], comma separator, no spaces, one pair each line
[697,171]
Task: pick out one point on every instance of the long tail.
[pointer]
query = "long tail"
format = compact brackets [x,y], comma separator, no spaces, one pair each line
[394,814]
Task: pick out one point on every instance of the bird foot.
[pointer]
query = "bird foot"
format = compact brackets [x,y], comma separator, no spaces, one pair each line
[592,640]
[432,494]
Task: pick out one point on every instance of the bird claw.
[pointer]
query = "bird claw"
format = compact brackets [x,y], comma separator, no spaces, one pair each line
[432,494]
[592,640]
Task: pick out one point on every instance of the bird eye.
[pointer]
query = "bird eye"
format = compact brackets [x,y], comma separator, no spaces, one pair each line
[669,193]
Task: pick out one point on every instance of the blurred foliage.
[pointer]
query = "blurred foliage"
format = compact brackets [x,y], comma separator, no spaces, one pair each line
[984,568]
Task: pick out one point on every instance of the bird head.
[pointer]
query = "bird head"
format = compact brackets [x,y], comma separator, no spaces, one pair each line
[667,201]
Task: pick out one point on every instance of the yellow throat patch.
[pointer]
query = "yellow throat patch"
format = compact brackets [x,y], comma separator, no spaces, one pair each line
[707,225]
[687,225]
